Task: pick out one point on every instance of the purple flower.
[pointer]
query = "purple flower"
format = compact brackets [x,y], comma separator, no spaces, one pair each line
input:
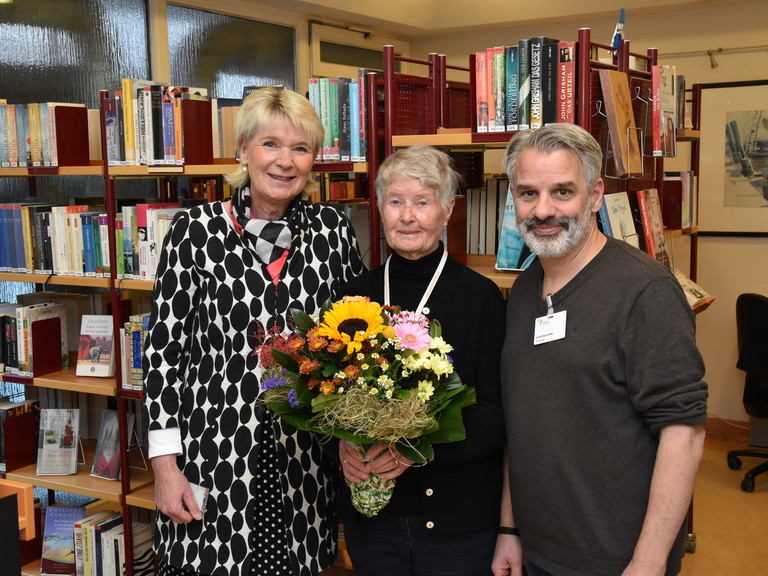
[274,382]
[292,399]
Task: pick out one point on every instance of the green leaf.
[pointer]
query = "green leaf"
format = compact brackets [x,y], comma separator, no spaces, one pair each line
[285,360]
[418,449]
[435,330]
[451,427]
[302,320]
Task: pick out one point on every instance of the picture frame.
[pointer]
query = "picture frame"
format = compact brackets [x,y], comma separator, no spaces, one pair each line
[733,166]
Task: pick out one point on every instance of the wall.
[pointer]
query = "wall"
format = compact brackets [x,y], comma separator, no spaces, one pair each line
[726,266]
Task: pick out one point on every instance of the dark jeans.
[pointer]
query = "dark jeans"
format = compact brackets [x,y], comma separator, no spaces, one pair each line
[404,546]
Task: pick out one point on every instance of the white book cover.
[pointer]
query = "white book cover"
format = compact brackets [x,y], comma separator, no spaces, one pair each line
[154,237]
[96,347]
[57,449]
[620,216]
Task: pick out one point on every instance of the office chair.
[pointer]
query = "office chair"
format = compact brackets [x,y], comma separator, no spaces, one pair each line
[752,336]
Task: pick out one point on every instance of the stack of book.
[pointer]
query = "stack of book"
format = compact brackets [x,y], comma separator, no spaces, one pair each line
[51,134]
[341,105]
[525,85]
[132,337]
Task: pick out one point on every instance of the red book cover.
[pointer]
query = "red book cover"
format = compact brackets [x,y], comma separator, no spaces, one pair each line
[72,135]
[481,92]
[197,132]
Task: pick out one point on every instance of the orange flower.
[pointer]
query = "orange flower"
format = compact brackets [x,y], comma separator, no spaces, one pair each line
[312,384]
[317,344]
[335,346]
[308,366]
[327,387]
[351,372]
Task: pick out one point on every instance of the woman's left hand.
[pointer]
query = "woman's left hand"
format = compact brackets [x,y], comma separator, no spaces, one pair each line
[386,461]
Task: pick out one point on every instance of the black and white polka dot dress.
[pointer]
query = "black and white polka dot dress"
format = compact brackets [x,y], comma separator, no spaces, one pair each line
[213,305]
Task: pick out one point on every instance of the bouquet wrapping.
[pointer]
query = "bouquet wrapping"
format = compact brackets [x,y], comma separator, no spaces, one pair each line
[366,373]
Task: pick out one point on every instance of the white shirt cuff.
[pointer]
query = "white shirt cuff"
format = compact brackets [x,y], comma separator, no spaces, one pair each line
[162,442]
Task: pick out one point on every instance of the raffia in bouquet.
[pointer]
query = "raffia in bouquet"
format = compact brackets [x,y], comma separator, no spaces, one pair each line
[364,372]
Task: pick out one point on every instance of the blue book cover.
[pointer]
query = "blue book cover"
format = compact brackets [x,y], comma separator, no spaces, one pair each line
[513,254]
[169,133]
[89,265]
[19,263]
[5,236]
[96,232]
[354,115]
[58,556]
[604,220]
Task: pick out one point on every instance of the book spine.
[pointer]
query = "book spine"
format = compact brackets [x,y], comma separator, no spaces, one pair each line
[344,120]
[537,45]
[499,88]
[490,89]
[511,70]
[524,116]
[45,133]
[481,92]
[647,225]
[89,266]
[325,117]
[104,237]
[22,135]
[169,133]
[128,127]
[18,239]
[113,132]
[10,121]
[156,134]
[363,110]
[566,103]
[120,261]
[550,84]
[333,108]
[656,110]
[27,227]
[178,138]
[354,124]
[97,256]
[35,138]
[4,158]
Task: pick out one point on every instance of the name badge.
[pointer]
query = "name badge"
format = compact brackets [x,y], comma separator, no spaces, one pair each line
[549,328]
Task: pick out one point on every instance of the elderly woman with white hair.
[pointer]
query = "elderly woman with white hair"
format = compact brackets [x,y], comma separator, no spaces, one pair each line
[443,516]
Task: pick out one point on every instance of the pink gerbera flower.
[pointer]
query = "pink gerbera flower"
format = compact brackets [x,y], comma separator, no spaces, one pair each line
[413,336]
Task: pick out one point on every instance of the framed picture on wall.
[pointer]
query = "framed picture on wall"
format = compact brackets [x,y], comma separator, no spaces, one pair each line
[733,168]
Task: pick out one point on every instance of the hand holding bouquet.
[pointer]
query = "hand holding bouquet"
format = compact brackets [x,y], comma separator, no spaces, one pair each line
[365,373]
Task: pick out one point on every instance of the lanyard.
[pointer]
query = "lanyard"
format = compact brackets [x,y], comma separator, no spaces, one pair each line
[420,309]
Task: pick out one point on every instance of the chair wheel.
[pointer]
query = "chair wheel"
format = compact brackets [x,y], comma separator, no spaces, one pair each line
[748,484]
[734,462]
[690,543]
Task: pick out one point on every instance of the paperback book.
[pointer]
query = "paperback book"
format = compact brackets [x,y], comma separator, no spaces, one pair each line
[58,554]
[96,350]
[512,254]
[106,460]
[57,449]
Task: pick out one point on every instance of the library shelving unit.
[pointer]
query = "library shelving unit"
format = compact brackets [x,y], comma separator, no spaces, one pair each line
[588,103]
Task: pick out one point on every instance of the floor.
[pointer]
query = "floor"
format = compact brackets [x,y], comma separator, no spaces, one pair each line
[730,526]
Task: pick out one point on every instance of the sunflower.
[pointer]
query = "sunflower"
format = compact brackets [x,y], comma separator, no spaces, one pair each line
[352,321]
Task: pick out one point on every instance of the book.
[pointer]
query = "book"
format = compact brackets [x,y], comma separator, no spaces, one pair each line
[696,296]
[566,103]
[106,459]
[512,254]
[98,529]
[112,130]
[10,130]
[19,425]
[58,358]
[497,109]
[5,161]
[345,136]
[678,199]
[550,82]
[143,556]
[96,349]
[58,555]
[653,227]
[143,234]
[22,135]
[536,45]
[625,147]
[621,224]
[81,540]
[524,73]
[57,449]
[511,70]
[481,92]
[664,88]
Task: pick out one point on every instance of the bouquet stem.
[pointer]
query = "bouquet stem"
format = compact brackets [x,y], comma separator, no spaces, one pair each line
[371,495]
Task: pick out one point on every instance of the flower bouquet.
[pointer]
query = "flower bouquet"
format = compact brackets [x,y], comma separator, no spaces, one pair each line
[364,373]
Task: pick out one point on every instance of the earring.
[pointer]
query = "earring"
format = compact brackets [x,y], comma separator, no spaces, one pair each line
[245,168]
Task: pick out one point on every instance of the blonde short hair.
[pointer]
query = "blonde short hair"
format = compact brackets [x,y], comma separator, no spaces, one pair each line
[261,108]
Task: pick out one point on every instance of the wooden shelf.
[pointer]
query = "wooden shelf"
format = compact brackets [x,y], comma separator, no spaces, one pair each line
[31,569]
[67,380]
[217,169]
[82,483]
[94,170]
[127,284]
[450,139]
[486,265]
[144,497]
[60,280]
[686,135]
